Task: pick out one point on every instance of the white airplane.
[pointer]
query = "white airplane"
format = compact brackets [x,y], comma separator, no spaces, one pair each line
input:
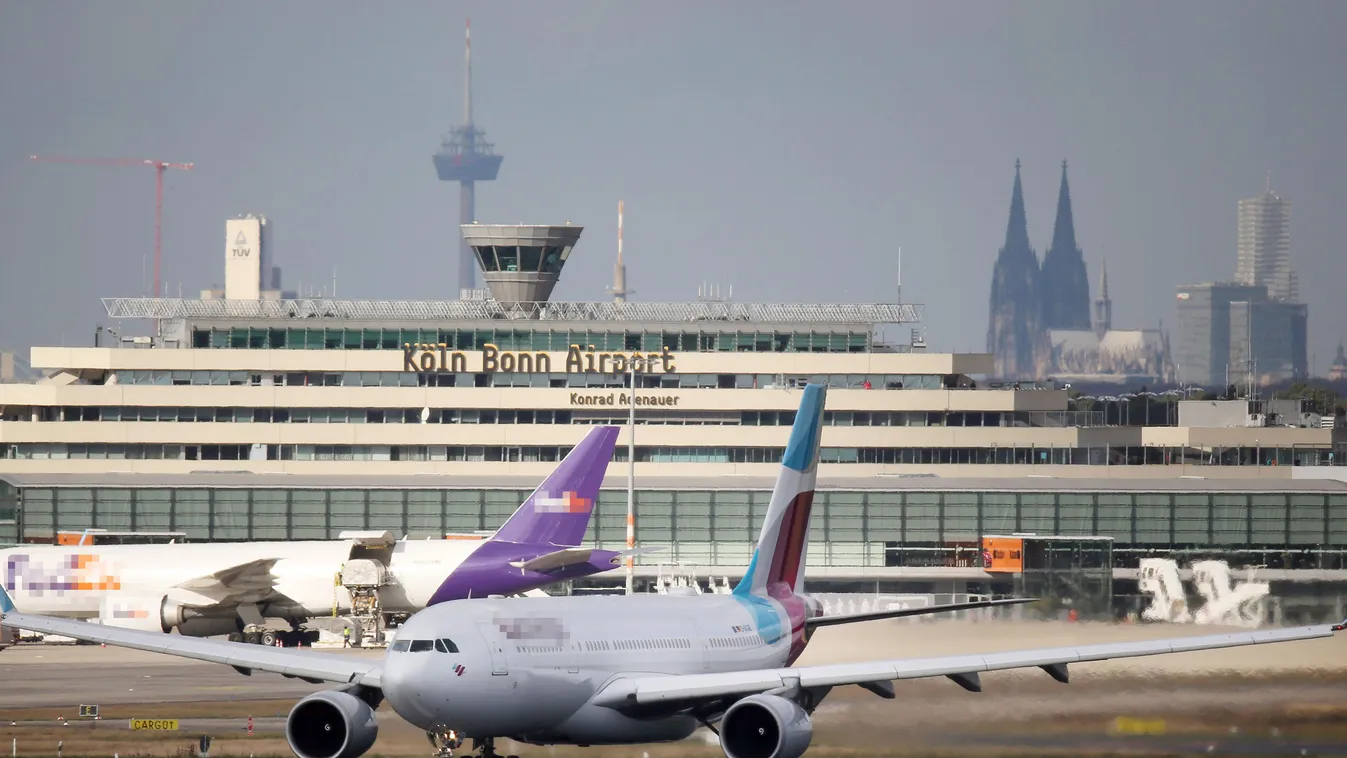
[210,589]
[605,670]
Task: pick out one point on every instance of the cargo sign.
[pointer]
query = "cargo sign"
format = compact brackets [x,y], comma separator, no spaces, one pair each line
[154,725]
[424,358]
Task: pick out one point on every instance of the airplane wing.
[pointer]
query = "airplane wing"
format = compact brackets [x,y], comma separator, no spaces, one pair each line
[851,618]
[315,668]
[251,581]
[877,676]
[567,557]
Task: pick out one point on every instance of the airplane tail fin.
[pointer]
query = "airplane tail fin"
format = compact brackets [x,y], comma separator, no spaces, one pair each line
[558,512]
[6,605]
[780,556]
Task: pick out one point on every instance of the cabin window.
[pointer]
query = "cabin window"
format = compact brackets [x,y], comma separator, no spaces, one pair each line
[446,645]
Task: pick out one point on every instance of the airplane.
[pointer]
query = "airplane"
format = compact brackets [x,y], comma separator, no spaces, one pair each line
[610,670]
[230,588]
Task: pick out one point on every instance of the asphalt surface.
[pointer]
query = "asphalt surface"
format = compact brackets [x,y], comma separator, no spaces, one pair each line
[63,674]
[1224,700]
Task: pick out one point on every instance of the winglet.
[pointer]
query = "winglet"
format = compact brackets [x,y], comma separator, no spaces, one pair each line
[558,512]
[6,605]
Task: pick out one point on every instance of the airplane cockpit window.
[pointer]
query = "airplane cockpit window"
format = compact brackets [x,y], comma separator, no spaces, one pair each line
[446,645]
[422,646]
[400,646]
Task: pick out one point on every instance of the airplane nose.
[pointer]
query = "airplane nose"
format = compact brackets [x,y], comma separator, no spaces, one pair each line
[403,686]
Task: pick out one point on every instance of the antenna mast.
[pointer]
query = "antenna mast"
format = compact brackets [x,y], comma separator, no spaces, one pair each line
[619,289]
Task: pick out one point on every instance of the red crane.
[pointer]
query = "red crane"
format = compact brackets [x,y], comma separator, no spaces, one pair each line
[159,167]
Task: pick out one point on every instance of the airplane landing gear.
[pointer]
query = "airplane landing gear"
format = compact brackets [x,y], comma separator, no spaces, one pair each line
[445,742]
[486,748]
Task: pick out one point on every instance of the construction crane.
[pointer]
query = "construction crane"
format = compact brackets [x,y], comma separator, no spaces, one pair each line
[159,168]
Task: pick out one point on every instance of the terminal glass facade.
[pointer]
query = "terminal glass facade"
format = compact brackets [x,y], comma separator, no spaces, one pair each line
[850,528]
[376,338]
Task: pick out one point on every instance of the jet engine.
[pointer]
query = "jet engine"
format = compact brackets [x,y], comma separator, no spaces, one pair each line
[765,726]
[210,626]
[156,613]
[331,724]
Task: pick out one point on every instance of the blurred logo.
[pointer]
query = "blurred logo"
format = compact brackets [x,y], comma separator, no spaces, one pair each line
[75,572]
[569,502]
[531,628]
[458,669]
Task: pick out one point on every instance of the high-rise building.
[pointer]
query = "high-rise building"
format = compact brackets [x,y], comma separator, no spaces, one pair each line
[1267,341]
[1064,285]
[1015,334]
[1202,353]
[1265,246]
[1229,332]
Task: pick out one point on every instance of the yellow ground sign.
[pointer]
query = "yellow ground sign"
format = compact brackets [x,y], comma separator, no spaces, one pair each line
[155,725]
[1124,725]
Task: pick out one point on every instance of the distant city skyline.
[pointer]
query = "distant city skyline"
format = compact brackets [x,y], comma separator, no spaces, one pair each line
[734,134]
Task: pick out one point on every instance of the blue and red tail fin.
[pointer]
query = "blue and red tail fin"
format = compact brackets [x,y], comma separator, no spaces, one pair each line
[558,512]
[782,546]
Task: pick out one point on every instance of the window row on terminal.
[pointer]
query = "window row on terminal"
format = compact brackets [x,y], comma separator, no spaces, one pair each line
[528,379]
[265,338]
[656,417]
[1115,455]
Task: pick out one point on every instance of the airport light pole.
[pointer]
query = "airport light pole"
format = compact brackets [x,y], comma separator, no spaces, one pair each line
[631,481]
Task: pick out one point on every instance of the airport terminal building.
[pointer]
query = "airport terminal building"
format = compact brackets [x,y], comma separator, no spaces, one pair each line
[259,416]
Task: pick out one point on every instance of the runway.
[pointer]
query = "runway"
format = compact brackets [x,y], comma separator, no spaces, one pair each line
[1261,700]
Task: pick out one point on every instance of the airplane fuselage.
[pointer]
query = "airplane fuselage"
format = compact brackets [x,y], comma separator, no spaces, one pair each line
[80,581]
[527,668]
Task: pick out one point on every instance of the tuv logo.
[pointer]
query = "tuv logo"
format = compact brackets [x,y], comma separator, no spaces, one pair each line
[458,669]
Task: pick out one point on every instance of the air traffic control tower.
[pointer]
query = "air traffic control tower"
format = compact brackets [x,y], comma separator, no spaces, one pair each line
[521,263]
[467,158]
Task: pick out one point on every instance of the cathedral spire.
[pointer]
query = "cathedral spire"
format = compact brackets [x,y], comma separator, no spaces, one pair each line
[1066,287]
[1103,305]
[1064,230]
[1017,229]
[1015,335]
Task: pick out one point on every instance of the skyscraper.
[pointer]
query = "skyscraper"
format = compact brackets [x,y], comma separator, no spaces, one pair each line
[1265,246]
[1015,334]
[1064,285]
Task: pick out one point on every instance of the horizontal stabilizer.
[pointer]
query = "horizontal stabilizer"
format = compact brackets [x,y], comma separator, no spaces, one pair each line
[555,560]
[571,556]
[852,618]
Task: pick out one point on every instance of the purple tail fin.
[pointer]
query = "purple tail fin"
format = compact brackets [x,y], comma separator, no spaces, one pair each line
[557,513]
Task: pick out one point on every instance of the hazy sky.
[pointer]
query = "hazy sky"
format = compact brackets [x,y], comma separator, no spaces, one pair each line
[786,148]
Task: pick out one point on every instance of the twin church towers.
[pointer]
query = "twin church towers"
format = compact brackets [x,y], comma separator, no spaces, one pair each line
[1028,298]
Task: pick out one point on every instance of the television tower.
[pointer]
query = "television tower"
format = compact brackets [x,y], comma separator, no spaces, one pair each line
[467,158]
